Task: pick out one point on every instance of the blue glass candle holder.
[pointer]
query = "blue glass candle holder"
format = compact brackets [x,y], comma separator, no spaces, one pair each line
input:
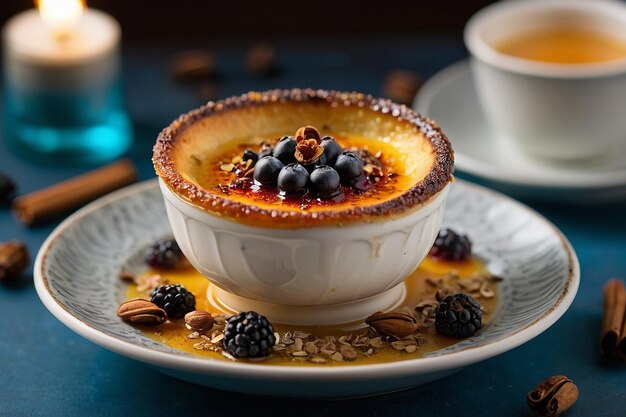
[89,126]
[64,98]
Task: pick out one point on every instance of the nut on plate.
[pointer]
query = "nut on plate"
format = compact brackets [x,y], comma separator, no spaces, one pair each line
[553,397]
[199,320]
[140,311]
[13,260]
[401,86]
[393,324]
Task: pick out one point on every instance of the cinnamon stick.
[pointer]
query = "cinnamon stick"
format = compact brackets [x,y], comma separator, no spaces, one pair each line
[621,346]
[58,199]
[13,260]
[613,326]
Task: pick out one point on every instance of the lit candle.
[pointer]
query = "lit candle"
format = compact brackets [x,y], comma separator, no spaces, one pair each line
[63,87]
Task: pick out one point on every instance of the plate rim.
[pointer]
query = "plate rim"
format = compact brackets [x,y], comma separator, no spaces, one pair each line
[204,366]
[431,88]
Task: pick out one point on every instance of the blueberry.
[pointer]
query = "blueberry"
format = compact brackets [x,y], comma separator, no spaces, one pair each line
[349,167]
[293,178]
[331,150]
[267,169]
[325,181]
[250,154]
[285,150]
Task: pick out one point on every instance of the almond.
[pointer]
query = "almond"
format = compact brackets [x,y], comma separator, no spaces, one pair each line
[199,320]
[141,311]
[393,324]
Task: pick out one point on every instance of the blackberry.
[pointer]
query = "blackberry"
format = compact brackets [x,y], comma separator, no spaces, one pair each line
[164,254]
[451,246]
[458,316]
[7,190]
[176,300]
[248,335]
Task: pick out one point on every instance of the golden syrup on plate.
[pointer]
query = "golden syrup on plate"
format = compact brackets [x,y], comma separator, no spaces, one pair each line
[175,334]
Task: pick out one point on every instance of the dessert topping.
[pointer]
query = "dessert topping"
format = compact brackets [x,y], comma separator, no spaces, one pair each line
[451,246]
[308,145]
[140,311]
[357,169]
[164,254]
[199,320]
[285,150]
[308,152]
[395,325]
[250,155]
[458,316]
[325,182]
[248,335]
[331,149]
[349,167]
[554,396]
[306,133]
[13,260]
[176,300]
[267,169]
[293,179]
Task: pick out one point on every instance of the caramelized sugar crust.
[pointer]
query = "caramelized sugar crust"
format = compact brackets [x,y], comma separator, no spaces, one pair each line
[180,148]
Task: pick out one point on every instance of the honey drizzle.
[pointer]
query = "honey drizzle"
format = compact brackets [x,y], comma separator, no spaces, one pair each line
[175,334]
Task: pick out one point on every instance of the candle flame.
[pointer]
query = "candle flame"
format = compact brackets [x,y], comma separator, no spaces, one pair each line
[61,15]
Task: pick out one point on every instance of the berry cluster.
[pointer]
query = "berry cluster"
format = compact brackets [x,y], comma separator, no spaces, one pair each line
[305,163]
[164,254]
[458,316]
[451,246]
[248,335]
[176,300]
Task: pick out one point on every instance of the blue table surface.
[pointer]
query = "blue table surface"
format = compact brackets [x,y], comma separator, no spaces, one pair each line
[46,369]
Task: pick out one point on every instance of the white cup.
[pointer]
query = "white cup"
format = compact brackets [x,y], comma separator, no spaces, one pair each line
[558,112]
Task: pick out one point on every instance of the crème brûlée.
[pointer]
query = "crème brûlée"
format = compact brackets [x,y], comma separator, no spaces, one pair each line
[406,159]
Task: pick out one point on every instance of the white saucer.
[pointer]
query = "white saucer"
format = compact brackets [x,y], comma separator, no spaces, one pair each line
[76,277]
[450,98]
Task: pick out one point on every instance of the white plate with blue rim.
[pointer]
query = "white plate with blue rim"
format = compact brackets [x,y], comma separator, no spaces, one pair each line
[76,277]
[450,98]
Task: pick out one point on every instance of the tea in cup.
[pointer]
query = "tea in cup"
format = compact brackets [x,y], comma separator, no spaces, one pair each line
[551,75]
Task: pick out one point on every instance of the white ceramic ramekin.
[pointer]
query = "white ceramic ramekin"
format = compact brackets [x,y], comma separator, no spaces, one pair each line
[323,266]
[335,264]
[553,111]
